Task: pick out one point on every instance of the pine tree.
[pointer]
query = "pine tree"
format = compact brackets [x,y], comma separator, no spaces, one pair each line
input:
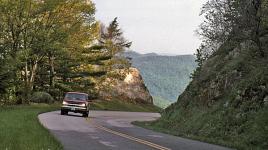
[112,39]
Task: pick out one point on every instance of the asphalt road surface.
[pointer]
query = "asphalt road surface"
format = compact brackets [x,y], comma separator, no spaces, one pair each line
[110,130]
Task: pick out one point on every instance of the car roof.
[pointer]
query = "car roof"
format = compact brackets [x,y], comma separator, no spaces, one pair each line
[76,93]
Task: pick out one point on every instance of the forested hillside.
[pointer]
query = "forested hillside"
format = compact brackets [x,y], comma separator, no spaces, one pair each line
[227,101]
[165,76]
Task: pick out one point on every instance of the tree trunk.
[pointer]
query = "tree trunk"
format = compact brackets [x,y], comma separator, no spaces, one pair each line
[32,77]
[52,71]
[26,89]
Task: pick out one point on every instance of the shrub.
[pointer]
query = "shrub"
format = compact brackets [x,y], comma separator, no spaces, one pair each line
[41,97]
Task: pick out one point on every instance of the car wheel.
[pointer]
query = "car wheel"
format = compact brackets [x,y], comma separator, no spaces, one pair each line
[63,112]
[85,114]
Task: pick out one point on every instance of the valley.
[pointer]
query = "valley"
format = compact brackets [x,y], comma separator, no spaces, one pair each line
[165,76]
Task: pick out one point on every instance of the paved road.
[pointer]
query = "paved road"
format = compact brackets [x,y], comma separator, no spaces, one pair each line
[109,130]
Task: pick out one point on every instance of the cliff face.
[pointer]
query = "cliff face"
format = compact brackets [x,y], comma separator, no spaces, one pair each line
[126,85]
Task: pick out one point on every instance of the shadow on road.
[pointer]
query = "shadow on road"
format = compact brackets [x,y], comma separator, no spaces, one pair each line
[73,115]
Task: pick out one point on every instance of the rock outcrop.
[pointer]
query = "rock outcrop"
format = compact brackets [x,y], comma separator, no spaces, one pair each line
[125,85]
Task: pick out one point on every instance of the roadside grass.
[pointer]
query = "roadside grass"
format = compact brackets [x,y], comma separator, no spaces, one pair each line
[20,128]
[151,125]
[116,105]
[252,135]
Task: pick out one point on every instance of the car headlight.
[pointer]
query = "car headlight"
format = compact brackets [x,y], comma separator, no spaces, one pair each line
[64,103]
[82,105]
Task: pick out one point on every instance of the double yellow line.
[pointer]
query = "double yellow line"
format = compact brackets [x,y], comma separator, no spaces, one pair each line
[153,145]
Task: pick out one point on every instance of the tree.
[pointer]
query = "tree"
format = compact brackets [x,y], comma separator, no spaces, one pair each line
[5,75]
[112,39]
[219,22]
[35,33]
[201,55]
[237,20]
[52,46]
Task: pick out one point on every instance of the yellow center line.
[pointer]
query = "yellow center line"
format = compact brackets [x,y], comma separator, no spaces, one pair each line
[153,145]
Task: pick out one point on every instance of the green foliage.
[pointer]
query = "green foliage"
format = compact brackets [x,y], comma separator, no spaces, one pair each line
[5,76]
[36,34]
[41,97]
[51,46]
[20,128]
[112,39]
[238,20]
[63,87]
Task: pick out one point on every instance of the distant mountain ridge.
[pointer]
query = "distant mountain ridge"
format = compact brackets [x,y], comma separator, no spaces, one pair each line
[133,54]
[164,76]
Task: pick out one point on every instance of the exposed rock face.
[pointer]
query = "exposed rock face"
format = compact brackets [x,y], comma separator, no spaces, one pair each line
[129,87]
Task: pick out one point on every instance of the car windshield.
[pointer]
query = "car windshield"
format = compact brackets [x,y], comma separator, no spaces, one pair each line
[76,96]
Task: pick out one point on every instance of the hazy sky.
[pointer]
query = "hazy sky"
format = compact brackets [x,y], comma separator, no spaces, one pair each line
[160,26]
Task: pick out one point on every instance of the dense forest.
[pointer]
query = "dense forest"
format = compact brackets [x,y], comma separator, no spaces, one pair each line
[54,46]
[227,100]
[164,76]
